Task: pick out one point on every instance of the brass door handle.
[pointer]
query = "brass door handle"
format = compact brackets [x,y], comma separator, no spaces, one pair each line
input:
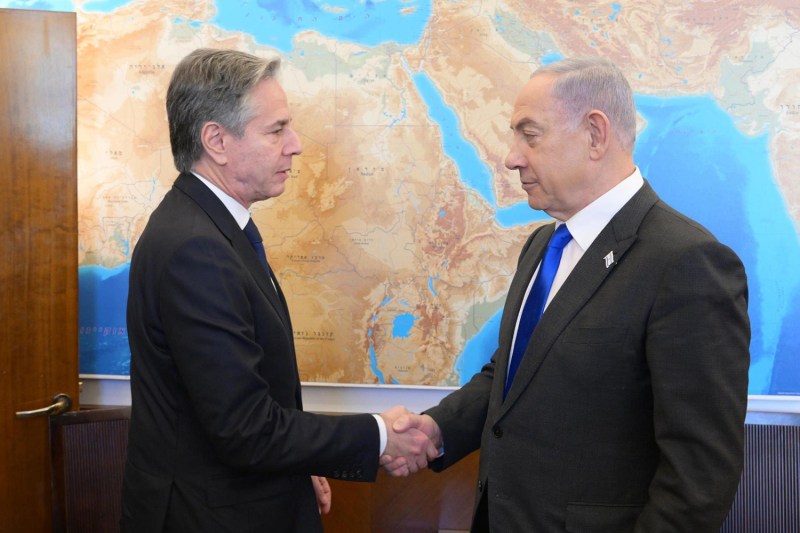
[61,404]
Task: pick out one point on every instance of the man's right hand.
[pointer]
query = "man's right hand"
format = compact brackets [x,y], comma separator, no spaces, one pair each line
[410,426]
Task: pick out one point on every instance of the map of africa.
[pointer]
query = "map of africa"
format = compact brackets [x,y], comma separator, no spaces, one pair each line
[399,231]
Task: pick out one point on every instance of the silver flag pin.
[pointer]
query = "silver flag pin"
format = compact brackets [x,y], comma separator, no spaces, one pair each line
[609,259]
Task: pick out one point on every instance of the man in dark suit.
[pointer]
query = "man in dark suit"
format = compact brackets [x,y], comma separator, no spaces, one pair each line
[627,407]
[218,438]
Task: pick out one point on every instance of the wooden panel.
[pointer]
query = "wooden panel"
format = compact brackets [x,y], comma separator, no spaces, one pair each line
[351,508]
[424,502]
[38,251]
[88,464]
[89,452]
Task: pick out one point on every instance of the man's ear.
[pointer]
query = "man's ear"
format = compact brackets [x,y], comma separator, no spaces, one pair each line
[599,129]
[213,137]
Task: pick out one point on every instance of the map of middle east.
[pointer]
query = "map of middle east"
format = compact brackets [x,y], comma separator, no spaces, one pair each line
[399,231]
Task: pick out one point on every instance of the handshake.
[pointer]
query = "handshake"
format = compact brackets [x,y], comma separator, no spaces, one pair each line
[412,441]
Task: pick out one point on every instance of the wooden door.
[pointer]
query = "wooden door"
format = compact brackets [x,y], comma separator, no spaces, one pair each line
[38,252]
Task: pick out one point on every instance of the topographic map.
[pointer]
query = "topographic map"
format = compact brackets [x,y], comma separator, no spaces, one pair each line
[398,234]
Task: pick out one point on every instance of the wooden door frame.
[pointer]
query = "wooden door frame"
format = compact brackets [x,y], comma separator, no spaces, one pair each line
[38,251]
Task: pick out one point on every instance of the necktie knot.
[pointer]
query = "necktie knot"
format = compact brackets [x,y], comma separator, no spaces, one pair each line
[560,238]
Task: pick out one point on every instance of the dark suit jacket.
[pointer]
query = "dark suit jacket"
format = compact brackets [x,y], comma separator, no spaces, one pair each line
[627,412]
[218,438]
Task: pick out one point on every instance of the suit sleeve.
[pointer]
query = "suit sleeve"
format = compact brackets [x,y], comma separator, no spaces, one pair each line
[208,320]
[461,416]
[697,351]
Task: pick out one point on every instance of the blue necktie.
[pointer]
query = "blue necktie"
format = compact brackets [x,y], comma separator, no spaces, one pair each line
[534,306]
[254,237]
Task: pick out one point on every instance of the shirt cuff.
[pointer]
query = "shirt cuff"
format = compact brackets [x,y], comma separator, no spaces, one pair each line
[382,433]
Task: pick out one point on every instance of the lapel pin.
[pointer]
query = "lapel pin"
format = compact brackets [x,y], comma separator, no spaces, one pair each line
[609,259]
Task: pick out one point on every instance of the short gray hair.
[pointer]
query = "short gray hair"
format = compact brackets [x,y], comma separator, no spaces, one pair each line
[211,85]
[590,83]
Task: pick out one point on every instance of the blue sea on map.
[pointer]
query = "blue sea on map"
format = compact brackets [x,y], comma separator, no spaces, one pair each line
[369,23]
[102,333]
[690,151]
[701,164]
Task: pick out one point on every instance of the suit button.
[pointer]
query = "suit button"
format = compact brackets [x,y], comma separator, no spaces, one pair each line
[498,432]
[337,474]
[480,485]
[358,474]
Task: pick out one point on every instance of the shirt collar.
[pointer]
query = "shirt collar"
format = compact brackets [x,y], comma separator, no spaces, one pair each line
[237,210]
[586,224]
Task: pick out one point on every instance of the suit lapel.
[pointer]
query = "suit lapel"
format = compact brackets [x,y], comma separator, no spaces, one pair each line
[227,225]
[586,278]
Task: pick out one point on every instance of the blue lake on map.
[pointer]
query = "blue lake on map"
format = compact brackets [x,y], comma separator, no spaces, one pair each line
[402,324]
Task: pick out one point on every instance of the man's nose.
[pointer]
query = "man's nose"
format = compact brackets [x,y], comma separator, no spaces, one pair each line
[514,160]
[293,146]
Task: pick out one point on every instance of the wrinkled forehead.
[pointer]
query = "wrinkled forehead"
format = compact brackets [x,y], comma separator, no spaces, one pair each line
[535,102]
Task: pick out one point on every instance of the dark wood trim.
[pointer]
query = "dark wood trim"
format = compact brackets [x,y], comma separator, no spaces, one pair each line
[88,460]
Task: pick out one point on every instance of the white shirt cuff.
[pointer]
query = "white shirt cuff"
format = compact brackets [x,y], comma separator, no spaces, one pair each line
[382,433]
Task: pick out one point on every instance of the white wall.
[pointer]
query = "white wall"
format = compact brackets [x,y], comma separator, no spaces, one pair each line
[365,398]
